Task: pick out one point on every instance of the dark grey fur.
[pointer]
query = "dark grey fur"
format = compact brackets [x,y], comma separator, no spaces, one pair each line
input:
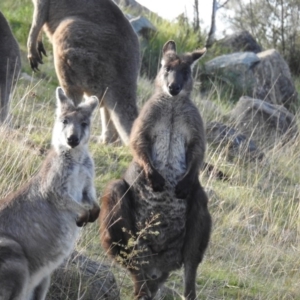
[10,66]
[39,222]
[160,201]
[96,52]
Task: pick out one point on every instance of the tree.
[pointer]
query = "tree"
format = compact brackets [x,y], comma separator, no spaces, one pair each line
[196,23]
[274,24]
[211,34]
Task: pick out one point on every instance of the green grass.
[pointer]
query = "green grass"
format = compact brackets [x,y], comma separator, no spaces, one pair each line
[254,249]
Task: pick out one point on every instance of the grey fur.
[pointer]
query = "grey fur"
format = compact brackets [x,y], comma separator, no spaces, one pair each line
[39,222]
[160,200]
[10,66]
[96,52]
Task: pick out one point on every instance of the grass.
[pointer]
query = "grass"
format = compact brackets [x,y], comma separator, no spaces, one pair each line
[254,249]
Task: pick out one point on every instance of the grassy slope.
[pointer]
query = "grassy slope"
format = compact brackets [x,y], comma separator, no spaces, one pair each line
[254,249]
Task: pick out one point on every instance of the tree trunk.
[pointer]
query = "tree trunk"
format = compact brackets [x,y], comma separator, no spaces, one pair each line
[211,35]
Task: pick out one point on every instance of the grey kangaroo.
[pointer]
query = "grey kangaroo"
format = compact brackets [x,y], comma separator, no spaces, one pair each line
[96,52]
[39,222]
[160,202]
[10,65]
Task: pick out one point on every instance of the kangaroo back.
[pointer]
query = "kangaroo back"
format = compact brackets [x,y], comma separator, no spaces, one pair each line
[96,52]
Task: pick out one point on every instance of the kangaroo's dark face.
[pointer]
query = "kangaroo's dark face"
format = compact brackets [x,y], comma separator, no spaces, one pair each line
[175,75]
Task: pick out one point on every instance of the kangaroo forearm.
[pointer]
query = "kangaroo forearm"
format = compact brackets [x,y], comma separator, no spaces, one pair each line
[89,196]
[142,155]
[194,159]
[69,203]
[39,19]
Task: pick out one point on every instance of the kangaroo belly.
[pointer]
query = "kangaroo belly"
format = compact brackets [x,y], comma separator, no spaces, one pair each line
[160,219]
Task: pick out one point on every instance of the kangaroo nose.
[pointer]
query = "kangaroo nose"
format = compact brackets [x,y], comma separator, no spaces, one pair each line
[174,89]
[73,141]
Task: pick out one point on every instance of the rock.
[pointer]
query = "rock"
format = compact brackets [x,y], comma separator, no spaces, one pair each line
[240,41]
[234,143]
[264,76]
[274,82]
[228,61]
[266,123]
[142,26]
[81,278]
[233,70]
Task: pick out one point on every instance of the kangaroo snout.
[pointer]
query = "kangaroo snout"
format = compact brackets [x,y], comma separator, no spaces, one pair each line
[174,89]
[73,141]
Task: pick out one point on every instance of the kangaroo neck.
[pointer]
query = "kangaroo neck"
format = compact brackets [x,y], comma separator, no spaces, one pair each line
[78,153]
[167,97]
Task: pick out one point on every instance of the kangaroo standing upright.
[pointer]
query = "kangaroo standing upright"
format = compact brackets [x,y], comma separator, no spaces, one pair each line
[96,52]
[160,202]
[10,65]
[39,222]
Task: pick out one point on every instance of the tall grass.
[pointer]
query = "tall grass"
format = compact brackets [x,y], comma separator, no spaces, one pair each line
[254,246]
[254,249]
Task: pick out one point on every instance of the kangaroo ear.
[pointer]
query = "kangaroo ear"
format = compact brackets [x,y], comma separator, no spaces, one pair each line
[169,46]
[92,102]
[196,55]
[62,101]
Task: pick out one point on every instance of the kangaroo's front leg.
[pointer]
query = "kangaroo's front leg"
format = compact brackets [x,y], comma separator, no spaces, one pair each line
[67,202]
[34,43]
[89,200]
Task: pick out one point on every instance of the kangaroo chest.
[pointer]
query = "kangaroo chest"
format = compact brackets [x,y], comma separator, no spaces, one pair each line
[169,137]
[74,177]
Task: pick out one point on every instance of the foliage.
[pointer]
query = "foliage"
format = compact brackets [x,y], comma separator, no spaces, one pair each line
[180,31]
[273,23]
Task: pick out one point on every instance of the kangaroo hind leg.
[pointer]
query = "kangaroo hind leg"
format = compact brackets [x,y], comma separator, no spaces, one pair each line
[14,271]
[198,229]
[42,289]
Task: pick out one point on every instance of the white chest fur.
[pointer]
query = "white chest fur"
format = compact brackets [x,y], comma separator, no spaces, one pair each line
[170,136]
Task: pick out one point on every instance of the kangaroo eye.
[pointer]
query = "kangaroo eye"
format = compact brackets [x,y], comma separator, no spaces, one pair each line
[167,69]
[65,121]
[84,124]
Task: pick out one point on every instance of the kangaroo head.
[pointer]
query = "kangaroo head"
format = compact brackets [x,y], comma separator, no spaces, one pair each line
[72,124]
[175,75]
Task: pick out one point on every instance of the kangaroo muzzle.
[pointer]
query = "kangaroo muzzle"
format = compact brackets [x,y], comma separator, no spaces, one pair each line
[73,141]
[174,89]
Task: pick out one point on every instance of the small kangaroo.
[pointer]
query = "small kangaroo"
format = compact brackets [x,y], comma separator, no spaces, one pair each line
[39,222]
[160,202]
[96,52]
[10,66]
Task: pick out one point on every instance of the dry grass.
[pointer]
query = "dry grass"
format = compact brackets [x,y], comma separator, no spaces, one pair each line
[254,249]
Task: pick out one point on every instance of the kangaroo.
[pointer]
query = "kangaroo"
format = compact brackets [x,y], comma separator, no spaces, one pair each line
[39,222]
[160,202]
[96,52]
[10,65]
